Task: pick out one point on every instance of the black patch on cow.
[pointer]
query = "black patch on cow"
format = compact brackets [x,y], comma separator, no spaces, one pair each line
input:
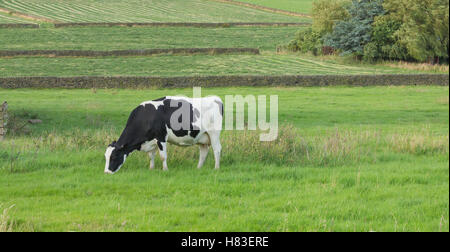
[196,115]
[117,158]
[185,116]
[159,145]
[113,144]
[194,133]
[160,99]
[146,123]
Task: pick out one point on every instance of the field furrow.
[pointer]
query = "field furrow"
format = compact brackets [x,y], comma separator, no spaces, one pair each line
[148,11]
[124,38]
[299,6]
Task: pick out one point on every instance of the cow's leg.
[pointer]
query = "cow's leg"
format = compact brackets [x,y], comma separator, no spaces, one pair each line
[216,146]
[152,155]
[163,154]
[204,148]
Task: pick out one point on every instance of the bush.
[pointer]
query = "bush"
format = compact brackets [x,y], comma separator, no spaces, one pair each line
[306,41]
[371,52]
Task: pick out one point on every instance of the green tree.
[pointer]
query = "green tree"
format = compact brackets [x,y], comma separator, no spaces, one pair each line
[327,12]
[352,35]
[424,30]
[384,44]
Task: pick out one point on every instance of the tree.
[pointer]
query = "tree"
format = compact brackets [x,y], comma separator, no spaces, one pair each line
[327,12]
[384,44]
[352,35]
[424,30]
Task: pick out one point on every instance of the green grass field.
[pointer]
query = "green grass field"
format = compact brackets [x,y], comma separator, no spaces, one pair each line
[170,66]
[143,11]
[300,6]
[348,159]
[119,38]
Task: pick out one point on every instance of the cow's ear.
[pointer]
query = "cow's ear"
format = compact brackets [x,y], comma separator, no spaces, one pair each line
[113,144]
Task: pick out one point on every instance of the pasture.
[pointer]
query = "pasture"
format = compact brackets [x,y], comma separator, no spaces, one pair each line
[120,38]
[86,11]
[348,159]
[300,6]
[170,66]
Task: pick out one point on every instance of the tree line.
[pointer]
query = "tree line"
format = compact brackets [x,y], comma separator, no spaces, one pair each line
[411,30]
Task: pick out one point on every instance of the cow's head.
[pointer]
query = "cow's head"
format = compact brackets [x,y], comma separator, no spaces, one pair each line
[115,156]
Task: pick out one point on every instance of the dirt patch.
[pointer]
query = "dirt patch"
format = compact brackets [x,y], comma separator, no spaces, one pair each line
[119,53]
[34,26]
[27,16]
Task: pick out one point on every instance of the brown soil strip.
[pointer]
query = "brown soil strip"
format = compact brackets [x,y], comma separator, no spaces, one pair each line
[259,7]
[27,16]
[145,52]
[35,26]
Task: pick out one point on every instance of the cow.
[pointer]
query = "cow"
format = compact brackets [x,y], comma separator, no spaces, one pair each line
[177,120]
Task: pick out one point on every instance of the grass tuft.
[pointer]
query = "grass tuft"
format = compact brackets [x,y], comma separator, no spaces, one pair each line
[6,222]
[412,66]
[334,148]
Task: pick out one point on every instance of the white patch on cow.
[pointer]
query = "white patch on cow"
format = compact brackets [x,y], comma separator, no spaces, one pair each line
[156,104]
[149,146]
[185,98]
[180,141]
[108,153]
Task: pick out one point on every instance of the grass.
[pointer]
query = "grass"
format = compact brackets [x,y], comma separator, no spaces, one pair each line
[143,11]
[169,66]
[6,224]
[300,6]
[9,19]
[417,66]
[348,159]
[120,38]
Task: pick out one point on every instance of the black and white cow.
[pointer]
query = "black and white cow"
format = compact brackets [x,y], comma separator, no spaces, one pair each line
[178,120]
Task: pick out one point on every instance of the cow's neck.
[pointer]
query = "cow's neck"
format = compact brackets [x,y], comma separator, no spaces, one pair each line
[130,143]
